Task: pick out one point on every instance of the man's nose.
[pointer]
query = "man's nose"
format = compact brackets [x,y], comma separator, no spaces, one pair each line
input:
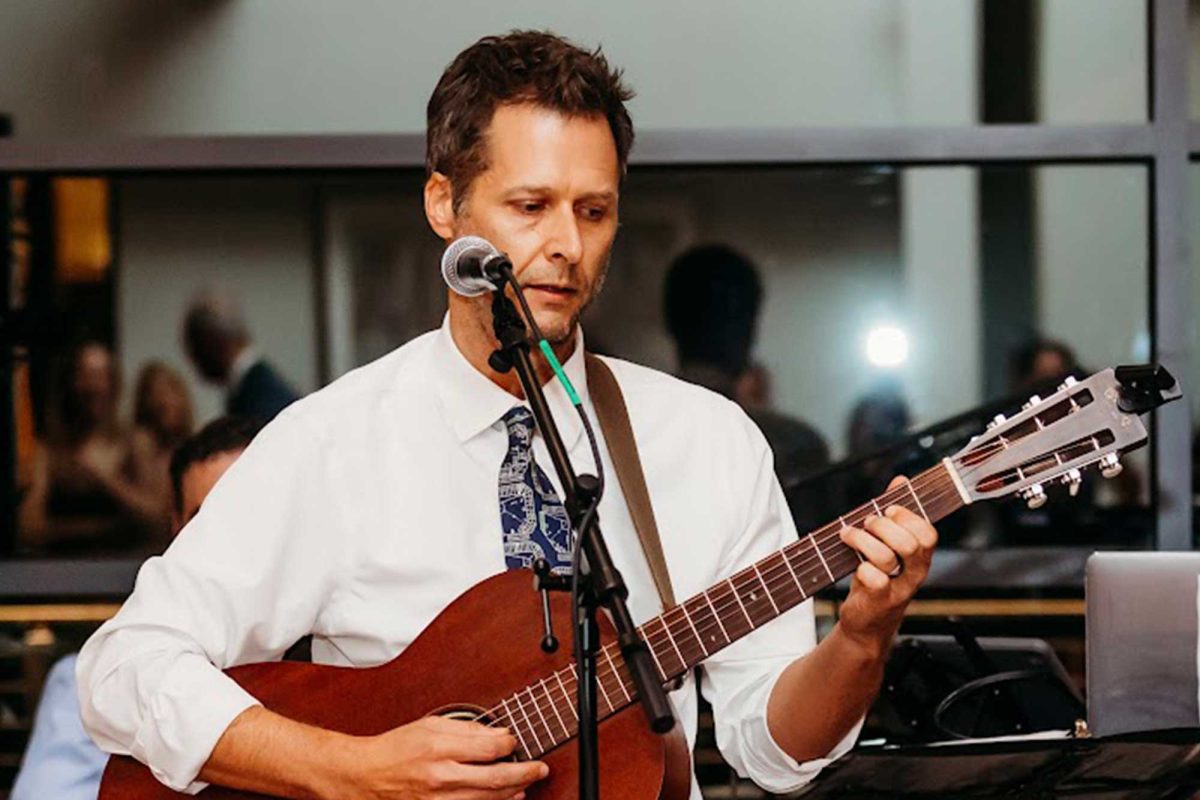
[563,240]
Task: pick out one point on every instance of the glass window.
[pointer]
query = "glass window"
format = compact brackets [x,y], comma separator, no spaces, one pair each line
[891,300]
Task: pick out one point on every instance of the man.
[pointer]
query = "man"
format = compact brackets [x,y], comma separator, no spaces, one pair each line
[364,510]
[61,762]
[711,301]
[218,343]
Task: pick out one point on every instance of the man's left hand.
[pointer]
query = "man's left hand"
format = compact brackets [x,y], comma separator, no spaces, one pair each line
[898,541]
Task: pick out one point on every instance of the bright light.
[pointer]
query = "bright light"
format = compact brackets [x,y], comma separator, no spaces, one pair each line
[887,346]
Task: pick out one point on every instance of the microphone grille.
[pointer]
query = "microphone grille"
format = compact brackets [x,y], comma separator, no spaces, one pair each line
[457,254]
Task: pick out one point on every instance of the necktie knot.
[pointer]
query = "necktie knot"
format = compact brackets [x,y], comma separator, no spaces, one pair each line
[519,421]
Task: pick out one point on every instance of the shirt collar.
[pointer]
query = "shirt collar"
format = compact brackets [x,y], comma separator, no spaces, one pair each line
[472,403]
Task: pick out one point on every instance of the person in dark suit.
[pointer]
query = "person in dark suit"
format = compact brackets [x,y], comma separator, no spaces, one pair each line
[218,343]
[711,302]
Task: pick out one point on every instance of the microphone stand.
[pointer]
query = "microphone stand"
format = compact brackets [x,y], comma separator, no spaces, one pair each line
[600,581]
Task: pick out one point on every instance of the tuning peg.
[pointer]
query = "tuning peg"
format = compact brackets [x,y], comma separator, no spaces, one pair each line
[1035,496]
[999,419]
[1071,479]
[1033,401]
[1110,466]
[1068,383]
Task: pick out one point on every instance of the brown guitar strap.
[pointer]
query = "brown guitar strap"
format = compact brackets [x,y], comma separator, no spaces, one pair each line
[618,434]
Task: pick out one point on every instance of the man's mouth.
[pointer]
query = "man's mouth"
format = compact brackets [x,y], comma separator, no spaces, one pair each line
[552,289]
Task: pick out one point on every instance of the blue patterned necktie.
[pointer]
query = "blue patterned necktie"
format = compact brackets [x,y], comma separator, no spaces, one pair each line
[532,516]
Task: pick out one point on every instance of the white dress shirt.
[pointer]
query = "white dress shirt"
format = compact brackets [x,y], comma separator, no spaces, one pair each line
[364,509]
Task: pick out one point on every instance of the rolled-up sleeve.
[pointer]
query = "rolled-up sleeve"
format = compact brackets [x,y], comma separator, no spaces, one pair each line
[245,579]
[738,681]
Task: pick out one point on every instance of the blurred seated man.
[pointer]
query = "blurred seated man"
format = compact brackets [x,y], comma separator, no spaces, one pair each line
[84,494]
[61,762]
[711,302]
[218,343]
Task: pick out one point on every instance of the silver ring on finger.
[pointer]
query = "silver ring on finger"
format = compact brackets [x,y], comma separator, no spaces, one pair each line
[897,570]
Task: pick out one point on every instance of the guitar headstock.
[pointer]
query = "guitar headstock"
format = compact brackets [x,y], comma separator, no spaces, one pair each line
[1082,424]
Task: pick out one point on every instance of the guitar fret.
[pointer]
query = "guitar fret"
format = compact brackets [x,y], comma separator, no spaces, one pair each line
[695,632]
[566,696]
[620,682]
[667,629]
[766,589]
[716,616]
[516,729]
[740,603]
[603,691]
[554,707]
[875,506]
[531,729]
[824,563]
[920,506]
[649,646]
[533,702]
[788,563]
[842,520]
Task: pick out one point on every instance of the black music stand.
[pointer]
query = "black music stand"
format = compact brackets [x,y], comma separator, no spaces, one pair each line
[1154,764]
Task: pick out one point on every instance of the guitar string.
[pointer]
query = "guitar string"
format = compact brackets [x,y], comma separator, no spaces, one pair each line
[773,571]
[605,672]
[770,576]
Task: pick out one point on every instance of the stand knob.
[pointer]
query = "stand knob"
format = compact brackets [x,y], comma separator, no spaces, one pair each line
[544,582]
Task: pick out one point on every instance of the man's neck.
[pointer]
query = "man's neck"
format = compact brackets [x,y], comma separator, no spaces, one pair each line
[472,334]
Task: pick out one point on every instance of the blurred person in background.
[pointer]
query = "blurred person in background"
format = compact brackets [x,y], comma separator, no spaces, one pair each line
[162,421]
[84,493]
[218,342]
[1040,363]
[61,761]
[878,419]
[711,302]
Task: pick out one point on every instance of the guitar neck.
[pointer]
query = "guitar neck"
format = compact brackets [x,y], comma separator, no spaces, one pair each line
[685,635]
[541,715]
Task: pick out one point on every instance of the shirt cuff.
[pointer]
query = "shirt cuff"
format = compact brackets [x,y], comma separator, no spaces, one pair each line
[187,716]
[770,765]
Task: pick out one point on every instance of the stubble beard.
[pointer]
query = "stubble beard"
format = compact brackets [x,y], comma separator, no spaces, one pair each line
[561,334]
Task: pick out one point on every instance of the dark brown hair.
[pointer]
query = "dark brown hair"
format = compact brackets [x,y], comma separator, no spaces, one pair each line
[521,67]
[229,434]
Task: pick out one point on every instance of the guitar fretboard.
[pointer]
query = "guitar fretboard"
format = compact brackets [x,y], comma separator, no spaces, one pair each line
[542,716]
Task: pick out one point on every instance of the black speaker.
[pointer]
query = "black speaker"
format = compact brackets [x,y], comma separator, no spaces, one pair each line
[938,688]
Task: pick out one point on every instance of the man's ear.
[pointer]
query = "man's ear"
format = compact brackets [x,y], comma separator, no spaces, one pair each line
[439,205]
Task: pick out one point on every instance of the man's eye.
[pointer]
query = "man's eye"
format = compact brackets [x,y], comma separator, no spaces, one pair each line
[594,212]
[530,206]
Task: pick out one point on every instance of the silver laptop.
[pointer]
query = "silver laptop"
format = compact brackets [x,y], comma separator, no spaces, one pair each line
[1142,641]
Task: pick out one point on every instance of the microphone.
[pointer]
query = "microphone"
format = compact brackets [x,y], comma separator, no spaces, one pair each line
[472,266]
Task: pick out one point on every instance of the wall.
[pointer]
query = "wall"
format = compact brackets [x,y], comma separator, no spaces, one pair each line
[310,66]
[179,236]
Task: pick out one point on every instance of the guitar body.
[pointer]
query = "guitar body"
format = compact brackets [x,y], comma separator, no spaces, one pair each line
[483,647]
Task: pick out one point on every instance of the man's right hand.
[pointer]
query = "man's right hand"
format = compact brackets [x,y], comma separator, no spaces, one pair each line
[433,757]
[436,757]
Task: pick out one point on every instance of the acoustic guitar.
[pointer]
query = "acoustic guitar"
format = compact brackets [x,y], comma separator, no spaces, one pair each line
[469,663]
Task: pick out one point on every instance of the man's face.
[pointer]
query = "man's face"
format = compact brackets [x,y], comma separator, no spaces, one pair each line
[198,480]
[548,199]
